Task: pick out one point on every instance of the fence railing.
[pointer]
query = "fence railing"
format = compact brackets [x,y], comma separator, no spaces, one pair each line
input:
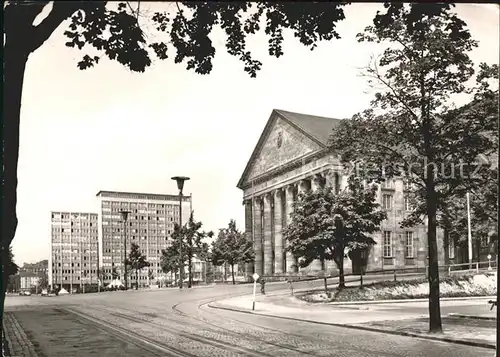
[391,274]
[475,266]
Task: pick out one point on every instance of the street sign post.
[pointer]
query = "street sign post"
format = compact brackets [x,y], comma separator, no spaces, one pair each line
[255,276]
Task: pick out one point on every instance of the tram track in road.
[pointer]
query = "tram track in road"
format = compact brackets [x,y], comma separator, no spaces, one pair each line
[252,339]
[225,346]
[201,306]
[145,343]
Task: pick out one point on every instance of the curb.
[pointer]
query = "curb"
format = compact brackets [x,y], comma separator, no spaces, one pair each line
[369,302]
[462,316]
[365,328]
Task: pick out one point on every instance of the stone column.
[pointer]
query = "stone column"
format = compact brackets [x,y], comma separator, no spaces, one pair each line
[278,237]
[249,267]
[315,182]
[302,186]
[290,261]
[257,243]
[268,248]
[315,265]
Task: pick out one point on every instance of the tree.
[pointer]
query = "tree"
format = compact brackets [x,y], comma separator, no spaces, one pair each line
[14,283]
[43,283]
[114,273]
[483,212]
[411,130]
[170,260]
[151,275]
[326,226]
[232,247]
[194,245]
[136,261]
[191,238]
[9,267]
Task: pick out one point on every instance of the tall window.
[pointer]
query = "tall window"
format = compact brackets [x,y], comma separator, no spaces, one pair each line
[388,183]
[407,185]
[387,244]
[387,201]
[409,244]
[451,250]
[408,204]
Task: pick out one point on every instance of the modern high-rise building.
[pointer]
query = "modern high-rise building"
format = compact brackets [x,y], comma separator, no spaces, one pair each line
[74,258]
[149,224]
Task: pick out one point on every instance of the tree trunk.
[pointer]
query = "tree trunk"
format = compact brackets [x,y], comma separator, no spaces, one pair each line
[323,265]
[232,273]
[446,243]
[341,271]
[136,279]
[434,305]
[190,268]
[15,58]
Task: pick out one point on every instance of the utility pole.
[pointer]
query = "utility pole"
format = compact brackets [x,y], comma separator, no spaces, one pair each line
[469,231]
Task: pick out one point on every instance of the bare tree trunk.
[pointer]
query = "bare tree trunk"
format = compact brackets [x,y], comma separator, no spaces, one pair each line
[446,244]
[232,273]
[136,279]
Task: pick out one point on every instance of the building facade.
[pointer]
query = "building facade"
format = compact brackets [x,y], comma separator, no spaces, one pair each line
[74,258]
[291,156]
[41,267]
[149,224]
[29,281]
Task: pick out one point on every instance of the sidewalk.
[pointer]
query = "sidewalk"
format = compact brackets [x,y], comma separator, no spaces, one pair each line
[408,319]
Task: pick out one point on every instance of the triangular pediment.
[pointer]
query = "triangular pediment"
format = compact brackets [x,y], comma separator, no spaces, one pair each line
[281,142]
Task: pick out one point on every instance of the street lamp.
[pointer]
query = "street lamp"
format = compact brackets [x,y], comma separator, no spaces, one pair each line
[180,185]
[124,218]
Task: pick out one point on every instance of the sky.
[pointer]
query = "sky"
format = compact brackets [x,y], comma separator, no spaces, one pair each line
[107,128]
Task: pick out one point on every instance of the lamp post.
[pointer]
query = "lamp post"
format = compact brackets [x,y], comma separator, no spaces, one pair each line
[124,218]
[180,185]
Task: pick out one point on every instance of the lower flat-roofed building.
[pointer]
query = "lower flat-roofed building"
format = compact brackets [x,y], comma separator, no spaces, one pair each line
[74,259]
[292,156]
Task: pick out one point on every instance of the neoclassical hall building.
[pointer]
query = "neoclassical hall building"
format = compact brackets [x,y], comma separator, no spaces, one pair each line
[290,156]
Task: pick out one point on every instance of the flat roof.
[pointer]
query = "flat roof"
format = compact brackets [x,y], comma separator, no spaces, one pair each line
[157,196]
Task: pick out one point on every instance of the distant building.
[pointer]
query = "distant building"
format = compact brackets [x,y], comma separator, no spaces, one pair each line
[292,156]
[150,224]
[31,275]
[38,267]
[74,259]
[29,280]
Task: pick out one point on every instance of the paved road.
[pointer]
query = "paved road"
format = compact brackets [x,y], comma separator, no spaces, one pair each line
[179,323]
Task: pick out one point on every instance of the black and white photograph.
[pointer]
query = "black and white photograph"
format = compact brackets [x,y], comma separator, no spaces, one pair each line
[261,179]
